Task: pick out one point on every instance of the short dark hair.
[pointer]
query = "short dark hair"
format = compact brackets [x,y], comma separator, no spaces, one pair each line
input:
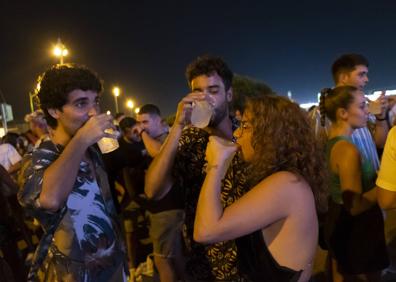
[207,65]
[57,82]
[150,109]
[127,122]
[347,63]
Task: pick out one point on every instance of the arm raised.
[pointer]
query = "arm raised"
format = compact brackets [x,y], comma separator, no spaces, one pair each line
[158,180]
[60,176]
[266,203]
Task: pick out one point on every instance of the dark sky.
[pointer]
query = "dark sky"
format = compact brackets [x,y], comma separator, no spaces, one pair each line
[144,46]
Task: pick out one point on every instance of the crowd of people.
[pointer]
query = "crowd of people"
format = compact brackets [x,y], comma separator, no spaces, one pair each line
[249,197]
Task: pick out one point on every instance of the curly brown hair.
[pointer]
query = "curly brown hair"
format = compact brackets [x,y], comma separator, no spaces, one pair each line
[283,140]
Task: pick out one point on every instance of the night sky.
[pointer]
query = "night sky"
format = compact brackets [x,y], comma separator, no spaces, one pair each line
[144,46]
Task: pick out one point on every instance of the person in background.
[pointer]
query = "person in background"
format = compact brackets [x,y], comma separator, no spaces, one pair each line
[130,153]
[152,129]
[354,229]
[166,214]
[38,126]
[10,159]
[352,70]
[386,180]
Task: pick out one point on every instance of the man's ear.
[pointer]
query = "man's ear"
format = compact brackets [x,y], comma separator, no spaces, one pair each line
[343,78]
[229,95]
[54,113]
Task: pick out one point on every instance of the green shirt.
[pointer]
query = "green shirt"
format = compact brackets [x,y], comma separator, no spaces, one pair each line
[368,172]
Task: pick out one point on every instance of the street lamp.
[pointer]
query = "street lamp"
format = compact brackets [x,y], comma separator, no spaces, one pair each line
[130,105]
[137,110]
[60,51]
[32,95]
[116,93]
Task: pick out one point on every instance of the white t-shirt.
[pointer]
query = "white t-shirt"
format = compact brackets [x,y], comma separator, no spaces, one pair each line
[8,155]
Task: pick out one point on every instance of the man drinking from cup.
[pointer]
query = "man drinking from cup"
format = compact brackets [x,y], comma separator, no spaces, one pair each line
[66,188]
[180,166]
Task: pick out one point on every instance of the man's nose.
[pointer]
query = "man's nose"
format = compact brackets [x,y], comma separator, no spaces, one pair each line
[94,110]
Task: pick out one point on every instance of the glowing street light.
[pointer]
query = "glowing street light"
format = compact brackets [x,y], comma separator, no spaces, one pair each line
[130,105]
[137,110]
[116,93]
[60,51]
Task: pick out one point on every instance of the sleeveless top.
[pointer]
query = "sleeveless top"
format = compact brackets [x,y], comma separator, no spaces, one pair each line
[368,172]
[257,264]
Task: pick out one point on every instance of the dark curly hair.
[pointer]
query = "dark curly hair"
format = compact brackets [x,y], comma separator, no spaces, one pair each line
[283,140]
[333,99]
[57,82]
[207,65]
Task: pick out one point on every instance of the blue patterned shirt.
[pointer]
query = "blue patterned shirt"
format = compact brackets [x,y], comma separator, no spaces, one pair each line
[82,240]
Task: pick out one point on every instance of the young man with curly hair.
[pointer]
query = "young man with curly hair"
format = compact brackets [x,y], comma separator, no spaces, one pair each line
[65,185]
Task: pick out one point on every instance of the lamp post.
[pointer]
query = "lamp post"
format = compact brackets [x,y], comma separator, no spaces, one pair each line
[60,51]
[116,93]
[130,105]
[32,95]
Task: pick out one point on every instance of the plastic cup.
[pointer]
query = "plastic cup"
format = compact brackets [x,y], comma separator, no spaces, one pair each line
[374,107]
[201,114]
[108,144]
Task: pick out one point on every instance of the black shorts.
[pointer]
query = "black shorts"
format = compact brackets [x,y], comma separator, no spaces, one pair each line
[357,243]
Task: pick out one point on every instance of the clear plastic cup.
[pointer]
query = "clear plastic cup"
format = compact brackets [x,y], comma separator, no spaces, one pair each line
[201,114]
[108,144]
[374,107]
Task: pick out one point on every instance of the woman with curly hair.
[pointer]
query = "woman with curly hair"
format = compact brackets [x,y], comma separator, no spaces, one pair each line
[275,223]
[355,226]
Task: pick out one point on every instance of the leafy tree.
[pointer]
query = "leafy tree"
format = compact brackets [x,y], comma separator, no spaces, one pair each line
[243,87]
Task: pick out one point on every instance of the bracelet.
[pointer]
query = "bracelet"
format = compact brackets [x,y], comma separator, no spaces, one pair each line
[380,119]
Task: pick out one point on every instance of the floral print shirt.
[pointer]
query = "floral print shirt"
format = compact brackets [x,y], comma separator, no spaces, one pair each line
[216,261]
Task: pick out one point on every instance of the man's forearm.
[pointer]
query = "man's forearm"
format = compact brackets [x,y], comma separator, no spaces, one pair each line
[60,176]
[152,146]
[158,179]
[15,167]
[209,208]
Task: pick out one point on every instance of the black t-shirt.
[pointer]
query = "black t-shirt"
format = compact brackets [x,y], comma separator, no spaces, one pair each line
[127,155]
[171,201]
